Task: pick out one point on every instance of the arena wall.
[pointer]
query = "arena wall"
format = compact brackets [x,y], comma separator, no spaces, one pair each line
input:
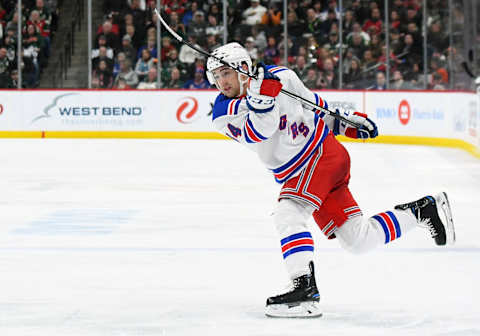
[446,118]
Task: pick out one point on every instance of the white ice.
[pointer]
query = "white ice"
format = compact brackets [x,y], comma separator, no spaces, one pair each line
[175,237]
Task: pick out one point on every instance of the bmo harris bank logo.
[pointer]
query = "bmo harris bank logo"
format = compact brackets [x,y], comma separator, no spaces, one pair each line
[405,112]
[62,107]
[187,110]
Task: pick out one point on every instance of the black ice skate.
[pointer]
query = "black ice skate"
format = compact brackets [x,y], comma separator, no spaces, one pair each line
[436,215]
[301,301]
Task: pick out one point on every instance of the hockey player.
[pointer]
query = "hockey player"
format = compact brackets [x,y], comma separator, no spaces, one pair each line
[299,146]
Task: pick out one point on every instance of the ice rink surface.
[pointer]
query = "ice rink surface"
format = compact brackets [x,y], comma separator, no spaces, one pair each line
[175,237]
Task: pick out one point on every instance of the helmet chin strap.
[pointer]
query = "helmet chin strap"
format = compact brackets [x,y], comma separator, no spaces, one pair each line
[242,83]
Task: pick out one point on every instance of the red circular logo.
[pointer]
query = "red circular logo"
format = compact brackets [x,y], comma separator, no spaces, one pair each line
[404,112]
[1,108]
[187,110]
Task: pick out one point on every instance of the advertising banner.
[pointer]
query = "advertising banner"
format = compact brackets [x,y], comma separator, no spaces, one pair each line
[442,115]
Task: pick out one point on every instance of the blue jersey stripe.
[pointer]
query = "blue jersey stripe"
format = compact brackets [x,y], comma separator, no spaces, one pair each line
[295,236]
[254,130]
[384,227]
[298,249]
[395,222]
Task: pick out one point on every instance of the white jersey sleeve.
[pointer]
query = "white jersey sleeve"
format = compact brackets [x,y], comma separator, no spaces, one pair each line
[233,118]
[284,138]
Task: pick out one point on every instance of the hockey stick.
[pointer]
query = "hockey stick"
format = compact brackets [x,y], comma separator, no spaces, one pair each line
[240,70]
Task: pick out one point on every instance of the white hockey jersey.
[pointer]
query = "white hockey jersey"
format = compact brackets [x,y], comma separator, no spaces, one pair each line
[284,138]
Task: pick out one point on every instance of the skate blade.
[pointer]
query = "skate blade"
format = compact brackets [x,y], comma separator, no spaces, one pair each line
[446,217]
[302,310]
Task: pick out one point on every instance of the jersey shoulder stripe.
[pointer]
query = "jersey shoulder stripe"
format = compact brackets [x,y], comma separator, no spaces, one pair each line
[225,106]
[287,170]
[275,68]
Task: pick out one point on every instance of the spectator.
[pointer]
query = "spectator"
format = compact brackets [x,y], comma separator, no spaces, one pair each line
[137,12]
[213,27]
[128,49]
[357,45]
[176,25]
[197,25]
[144,64]
[398,82]
[357,29]
[353,79]
[115,28]
[103,56]
[212,43]
[380,82]
[369,65]
[301,68]
[126,72]
[171,62]
[271,51]
[259,38]
[330,78]
[151,46]
[375,46]
[102,42]
[271,19]
[187,55]
[43,11]
[189,14]
[174,82]
[135,37]
[150,82]
[329,22]
[311,78]
[13,23]
[333,46]
[253,14]
[111,37]
[121,84]
[102,76]
[437,38]
[374,21]
[4,66]
[313,25]
[295,26]
[116,67]
[348,22]
[198,82]
[396,44]
[251,49]
[437,82]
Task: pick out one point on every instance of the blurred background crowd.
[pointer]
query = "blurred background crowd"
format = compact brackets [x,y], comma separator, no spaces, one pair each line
[125,53]
[38,26]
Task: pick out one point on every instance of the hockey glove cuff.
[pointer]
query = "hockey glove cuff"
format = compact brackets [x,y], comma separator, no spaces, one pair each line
[367,130]
[261,92]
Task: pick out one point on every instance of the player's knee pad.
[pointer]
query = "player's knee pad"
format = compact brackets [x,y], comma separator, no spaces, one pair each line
[291,216]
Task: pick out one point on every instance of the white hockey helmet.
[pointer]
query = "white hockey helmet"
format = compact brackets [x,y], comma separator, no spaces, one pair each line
[232,53]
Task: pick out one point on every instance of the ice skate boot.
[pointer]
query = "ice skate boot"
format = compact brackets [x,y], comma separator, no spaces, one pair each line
[435,214]
[301,301]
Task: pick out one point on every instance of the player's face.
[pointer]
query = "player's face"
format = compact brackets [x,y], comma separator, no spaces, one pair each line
[227,81]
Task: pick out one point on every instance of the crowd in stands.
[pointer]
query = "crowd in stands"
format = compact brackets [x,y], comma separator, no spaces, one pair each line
[125,54]
[38,24]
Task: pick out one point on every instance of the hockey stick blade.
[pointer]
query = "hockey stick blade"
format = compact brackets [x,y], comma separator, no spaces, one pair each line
[288,93]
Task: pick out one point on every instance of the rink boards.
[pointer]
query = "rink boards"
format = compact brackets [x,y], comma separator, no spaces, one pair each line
[447,118]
